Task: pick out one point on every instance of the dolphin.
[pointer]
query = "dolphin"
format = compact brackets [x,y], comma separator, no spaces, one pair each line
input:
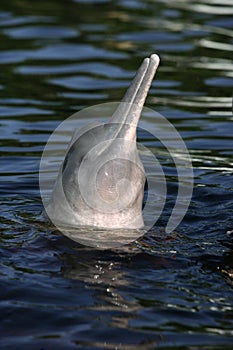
[101,180]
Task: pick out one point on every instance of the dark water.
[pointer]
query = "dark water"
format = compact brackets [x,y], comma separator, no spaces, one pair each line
[174,291]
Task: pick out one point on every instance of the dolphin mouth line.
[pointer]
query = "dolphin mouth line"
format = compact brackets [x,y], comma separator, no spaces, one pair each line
[130,108]
[127,114]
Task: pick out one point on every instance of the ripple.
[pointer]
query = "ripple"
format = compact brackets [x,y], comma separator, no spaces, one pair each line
[7,19]
[92,1]
[103,69]
[213,64]
[223,22]
[218,81]
[74,52]
[212,7]
[9,111]
[182,47]
[85,96]
[150,36]
[38,32]
[14,56]
[199,102]
[87,83]
[215,45]
[165,84]
[59,52]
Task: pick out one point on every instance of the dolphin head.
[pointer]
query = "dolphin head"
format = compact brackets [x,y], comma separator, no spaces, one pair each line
[101,181]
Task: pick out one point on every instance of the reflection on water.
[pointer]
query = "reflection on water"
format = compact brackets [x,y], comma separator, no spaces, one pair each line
[175,290]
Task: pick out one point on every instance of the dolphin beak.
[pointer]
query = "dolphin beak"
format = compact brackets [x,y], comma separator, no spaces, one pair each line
[130,108]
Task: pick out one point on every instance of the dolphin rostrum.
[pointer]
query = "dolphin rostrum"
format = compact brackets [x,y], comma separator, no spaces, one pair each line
[101,181]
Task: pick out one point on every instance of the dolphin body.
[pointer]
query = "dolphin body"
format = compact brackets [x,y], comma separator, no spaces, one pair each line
[101,181]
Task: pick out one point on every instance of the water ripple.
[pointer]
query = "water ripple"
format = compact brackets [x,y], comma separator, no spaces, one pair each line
[38,32]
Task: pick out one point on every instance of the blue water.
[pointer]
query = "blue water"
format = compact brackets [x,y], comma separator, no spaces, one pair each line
[171,291]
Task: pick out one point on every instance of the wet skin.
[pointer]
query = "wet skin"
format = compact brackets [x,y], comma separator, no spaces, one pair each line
[101,182]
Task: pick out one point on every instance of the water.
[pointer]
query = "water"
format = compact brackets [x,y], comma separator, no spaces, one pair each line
[171,291]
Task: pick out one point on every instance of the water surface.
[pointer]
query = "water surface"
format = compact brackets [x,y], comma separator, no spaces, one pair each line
[171,291]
